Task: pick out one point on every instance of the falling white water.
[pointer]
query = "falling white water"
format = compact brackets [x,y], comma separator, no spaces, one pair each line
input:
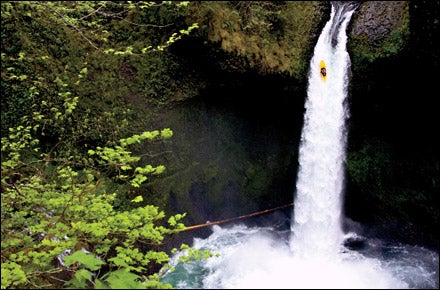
[316,226]
[311,254]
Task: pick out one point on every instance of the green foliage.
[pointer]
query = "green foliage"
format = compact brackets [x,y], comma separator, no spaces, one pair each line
[91,20]
[12,275]
[88,261]
[42,41]
[62,152]
[120,159]
[44,216]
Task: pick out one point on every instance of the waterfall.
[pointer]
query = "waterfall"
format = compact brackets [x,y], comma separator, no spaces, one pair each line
[316,226]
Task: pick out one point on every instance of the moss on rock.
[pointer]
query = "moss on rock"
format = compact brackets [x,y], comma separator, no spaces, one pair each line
[268,37]
[379,29]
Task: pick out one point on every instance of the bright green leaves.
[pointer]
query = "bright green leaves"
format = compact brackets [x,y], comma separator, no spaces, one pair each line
[43,218]
[177,36]
[80,279]
[136,225]
[174,221]
[88,261]
[114,156]
[147,135]
[138,180]
[70,104]
[12,275]
[121,158]
[148,169]
[82,74]
[166,133]
[20,77]
[129,50]
[18,141]
[137,199]
[124,279]
[192,254]
[51,205]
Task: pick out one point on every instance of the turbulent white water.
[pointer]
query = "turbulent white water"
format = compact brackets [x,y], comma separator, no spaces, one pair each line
[311,254]
[260,258]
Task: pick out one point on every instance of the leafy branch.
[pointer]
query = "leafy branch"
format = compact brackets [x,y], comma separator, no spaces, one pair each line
[54,206]
[87,18]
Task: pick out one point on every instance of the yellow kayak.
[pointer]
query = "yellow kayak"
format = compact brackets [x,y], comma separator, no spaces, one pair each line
[323,70]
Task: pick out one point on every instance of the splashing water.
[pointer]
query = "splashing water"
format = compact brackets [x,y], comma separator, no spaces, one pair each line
[311,254]
[260,258]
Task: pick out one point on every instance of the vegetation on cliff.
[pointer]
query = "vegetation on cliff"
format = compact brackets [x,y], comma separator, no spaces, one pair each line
[266,36]
[70,214]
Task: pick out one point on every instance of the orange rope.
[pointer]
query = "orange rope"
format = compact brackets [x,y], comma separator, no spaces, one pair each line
[235,218]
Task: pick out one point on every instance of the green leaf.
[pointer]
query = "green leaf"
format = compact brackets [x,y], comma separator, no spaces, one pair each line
[138,198]
[79,281]
[123,279]
[166,133]
[83,275]
[89,261]
[139,178]
[100,285]
[119,262]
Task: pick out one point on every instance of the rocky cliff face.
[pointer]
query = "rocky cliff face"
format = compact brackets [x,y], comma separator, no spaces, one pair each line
[379,29]
[378,19]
